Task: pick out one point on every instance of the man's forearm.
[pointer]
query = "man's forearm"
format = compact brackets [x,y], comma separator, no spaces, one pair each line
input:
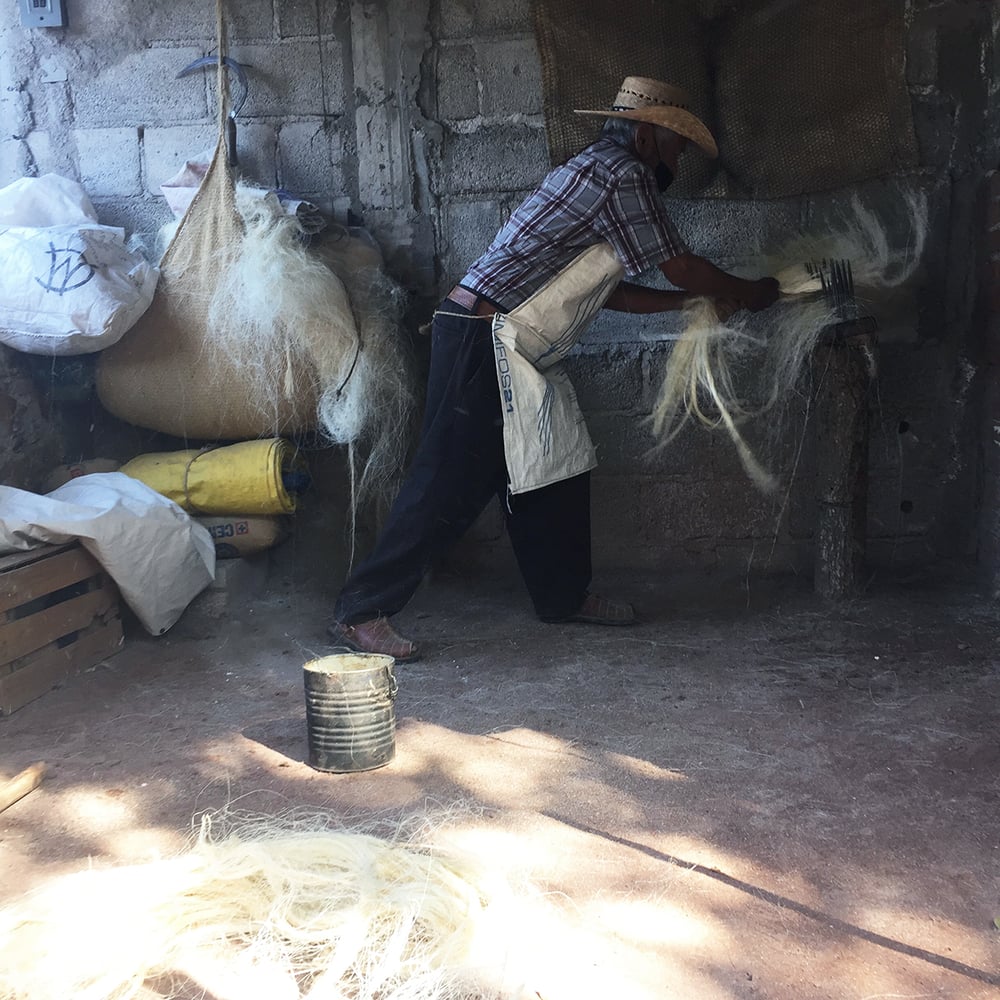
[701,277]
[640,299]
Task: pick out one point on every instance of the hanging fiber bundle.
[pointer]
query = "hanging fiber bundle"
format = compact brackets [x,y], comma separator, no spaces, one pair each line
[328,311]
[723,373]
[275,301]
[374,409]
[274,911]
[253,334]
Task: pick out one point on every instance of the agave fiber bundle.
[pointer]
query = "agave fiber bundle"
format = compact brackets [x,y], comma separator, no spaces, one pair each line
[723,373]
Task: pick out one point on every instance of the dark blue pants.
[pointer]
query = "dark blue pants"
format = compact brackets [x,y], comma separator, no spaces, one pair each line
[459,466]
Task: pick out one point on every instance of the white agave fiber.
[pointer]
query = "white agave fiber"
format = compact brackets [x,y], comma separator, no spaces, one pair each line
[275,292]
[332,311]
[266,913]
[716,364]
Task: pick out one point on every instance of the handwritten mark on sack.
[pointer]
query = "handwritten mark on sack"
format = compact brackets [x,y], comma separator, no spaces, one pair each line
[65,265]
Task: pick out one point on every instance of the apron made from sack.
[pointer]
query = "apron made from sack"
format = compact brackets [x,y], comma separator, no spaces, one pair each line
[544,434]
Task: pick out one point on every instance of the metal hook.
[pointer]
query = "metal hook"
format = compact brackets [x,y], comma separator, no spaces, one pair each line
[237,106]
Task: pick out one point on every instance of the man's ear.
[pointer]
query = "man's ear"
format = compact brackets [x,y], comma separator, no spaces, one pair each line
[645,140]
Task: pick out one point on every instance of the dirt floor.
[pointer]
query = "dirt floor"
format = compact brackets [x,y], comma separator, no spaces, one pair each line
[750,794]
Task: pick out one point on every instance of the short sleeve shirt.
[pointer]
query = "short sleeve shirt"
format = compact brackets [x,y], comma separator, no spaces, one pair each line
[602,194]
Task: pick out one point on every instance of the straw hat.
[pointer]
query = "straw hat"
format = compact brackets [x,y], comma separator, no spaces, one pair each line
[645,100]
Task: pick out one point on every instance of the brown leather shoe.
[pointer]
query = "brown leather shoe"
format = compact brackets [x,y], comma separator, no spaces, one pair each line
[375,636]
[597,610]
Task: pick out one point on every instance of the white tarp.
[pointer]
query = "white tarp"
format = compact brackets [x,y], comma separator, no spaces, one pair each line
[159,557]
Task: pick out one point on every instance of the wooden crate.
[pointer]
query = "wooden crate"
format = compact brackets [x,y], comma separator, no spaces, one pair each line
[59,613]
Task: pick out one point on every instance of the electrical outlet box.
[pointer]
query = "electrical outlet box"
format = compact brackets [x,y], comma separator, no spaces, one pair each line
[43,13]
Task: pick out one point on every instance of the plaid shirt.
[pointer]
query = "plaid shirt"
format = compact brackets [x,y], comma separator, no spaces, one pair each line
[602,194]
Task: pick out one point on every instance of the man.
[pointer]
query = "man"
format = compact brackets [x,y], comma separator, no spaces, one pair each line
[501,419]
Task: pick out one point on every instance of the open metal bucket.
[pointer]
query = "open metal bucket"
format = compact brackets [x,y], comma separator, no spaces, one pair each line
[350,711]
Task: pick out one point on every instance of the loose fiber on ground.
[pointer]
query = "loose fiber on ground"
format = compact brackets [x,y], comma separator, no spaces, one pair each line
[273,909]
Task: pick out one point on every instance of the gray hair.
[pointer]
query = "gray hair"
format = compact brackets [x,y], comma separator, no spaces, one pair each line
[621,131]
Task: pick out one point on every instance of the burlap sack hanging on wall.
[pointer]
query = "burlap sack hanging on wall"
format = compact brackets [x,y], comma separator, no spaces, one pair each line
[801,96]
[168,372]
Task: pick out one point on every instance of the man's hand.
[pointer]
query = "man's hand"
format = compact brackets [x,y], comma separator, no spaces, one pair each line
[701,277]
[762,293]
[724,308]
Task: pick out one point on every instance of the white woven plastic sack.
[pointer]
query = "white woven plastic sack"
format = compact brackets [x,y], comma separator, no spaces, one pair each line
[49,200]
[66,287]
[156,553]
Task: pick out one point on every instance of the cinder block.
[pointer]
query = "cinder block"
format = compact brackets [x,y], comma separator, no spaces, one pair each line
[491,159]
[109,161]
[618,519]
[511,77]
[184,20]
[465,18]
[469,227]
[300,18]
[773,449]
[627,446]
[609,381]
[250,21]
[41,159]
[630,527]
[896,511]
[14,161]
[310,156]
[257,153]
[165,151]
[629,330]
[142,89]
[180,19]
[701,509]
[336,100]
[733,234]
[741,510]
[139,216]
[15,110]
[457,83]
[283,78]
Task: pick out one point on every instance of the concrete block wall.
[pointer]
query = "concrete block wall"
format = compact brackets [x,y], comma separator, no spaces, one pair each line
[30,445]
[990,424]
[426,120]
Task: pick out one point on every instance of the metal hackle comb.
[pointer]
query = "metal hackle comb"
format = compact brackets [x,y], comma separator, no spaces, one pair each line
[837,282]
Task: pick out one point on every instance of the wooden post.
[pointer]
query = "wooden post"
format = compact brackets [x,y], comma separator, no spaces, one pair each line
[28,780]
[843,367]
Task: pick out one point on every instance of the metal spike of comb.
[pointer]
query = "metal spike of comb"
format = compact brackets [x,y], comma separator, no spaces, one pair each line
[837,283]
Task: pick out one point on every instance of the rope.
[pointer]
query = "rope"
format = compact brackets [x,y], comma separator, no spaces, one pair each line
[347,378]
[221,76]
[443,312]
[190,504]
